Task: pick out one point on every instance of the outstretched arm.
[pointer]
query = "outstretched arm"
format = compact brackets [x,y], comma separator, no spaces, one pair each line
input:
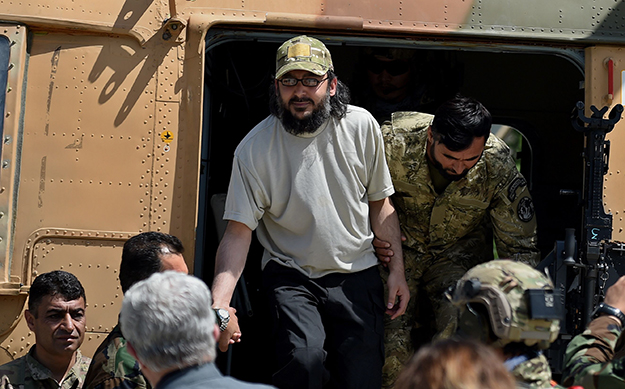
[229,264]
[385,226]
[590,356]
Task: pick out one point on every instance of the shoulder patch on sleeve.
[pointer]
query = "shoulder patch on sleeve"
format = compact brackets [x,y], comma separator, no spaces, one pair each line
[517,183]
[525,209]
[411,121]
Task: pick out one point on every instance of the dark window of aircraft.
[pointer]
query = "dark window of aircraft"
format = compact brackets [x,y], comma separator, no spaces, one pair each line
[5,53]
[514,139]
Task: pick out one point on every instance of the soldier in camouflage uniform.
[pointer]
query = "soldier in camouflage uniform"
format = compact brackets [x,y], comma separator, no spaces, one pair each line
[511,307]
[56,314]
[456,185]
[590,357]
[143,255]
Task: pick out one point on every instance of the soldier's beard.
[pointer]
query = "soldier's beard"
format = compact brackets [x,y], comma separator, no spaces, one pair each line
[448,175]
[308,124]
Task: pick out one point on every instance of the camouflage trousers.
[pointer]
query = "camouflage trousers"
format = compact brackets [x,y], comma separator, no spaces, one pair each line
[429,314]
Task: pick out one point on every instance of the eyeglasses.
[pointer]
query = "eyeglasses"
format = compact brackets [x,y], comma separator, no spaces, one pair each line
[394,68]
[309,82]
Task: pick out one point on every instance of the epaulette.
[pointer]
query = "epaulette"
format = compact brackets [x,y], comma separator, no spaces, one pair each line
[411,121]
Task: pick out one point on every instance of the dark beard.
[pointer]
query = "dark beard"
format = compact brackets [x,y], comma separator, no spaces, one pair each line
[307,125]
[446,175]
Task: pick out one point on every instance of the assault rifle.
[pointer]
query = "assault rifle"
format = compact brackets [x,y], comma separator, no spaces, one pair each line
[582,272]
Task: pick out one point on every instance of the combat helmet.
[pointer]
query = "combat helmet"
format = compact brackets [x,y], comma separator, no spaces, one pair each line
[504,301]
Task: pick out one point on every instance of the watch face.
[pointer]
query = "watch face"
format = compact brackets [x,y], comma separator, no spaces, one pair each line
[222,313]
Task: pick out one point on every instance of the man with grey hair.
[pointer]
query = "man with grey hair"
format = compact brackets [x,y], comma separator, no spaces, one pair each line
[171,330]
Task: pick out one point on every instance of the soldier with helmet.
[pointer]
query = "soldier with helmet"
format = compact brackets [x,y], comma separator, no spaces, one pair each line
[515,309]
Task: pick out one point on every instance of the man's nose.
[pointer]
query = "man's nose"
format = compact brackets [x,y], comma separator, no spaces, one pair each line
[68,322]
[457,167]
[385,76]
[300,89]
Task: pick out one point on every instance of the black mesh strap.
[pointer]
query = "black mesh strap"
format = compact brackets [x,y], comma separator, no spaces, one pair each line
[610,310]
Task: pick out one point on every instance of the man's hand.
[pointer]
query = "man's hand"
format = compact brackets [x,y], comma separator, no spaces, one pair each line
[232,333]
[397,290]
[383,250]
[615,296]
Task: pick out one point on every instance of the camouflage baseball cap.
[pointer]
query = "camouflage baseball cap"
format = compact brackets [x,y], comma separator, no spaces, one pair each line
[303,53]
[521,302]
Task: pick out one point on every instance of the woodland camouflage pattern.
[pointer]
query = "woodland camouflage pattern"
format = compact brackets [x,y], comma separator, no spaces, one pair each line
[589,360]
[113,367]
[448,234]
[27,373]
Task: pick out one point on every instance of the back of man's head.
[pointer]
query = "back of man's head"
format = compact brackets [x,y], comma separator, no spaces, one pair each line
[55,283]
[141,256]
[459,121]
[168,321]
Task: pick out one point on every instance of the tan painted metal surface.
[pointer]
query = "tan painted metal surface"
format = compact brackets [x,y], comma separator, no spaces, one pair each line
[535,19]
[104,155]
[597,94]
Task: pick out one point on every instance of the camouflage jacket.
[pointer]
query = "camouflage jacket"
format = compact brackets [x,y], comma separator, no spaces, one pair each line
[589,360]
[534,373]
[492,192]
[27,373]
[113,367]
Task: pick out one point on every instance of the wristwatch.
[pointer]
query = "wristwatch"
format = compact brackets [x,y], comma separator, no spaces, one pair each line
[610,310]
[223,318]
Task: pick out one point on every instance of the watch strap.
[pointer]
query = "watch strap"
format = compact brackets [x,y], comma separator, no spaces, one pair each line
[222,321]
[610,310]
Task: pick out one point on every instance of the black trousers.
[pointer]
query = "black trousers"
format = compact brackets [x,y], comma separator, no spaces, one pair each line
[328,331]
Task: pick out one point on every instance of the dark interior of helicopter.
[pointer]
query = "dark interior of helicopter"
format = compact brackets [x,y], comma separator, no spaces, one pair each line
[529,90]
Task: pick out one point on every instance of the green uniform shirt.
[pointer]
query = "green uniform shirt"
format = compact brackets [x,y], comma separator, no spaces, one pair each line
[27,373]
[451,232]
[113,367]
[493,192]
[589,360]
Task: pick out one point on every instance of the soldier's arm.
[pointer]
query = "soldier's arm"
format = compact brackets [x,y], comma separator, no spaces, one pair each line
[589,356]
[113,367]
[514,220]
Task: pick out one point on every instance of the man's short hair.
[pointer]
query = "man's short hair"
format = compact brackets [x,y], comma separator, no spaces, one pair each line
[55,283]
[459,121]
[169,321]
[141,256]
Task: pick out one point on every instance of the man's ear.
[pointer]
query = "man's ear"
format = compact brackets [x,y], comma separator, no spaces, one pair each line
[430,135]
[332,86]
[30,320]
[131,350]
[216,332]
[133,353]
